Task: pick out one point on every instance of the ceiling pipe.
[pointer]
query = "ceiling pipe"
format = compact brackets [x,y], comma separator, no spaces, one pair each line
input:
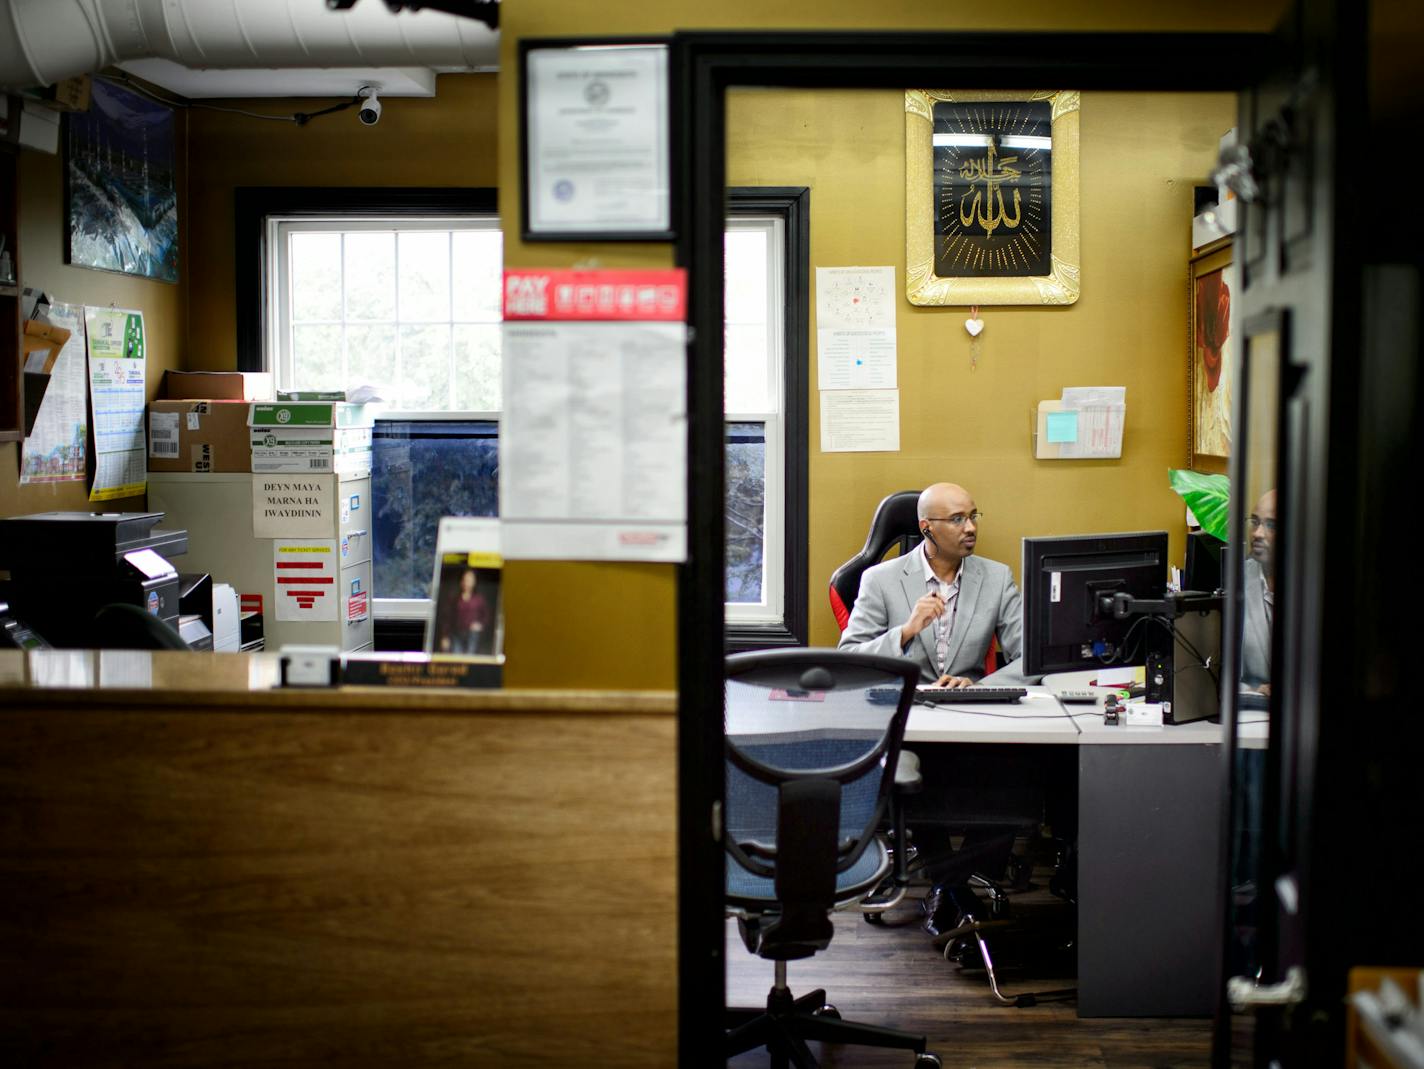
[45,41]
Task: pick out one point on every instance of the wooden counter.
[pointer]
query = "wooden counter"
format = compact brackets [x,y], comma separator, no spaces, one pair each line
[198,869]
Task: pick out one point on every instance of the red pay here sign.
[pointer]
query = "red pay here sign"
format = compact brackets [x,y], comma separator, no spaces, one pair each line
[643,296]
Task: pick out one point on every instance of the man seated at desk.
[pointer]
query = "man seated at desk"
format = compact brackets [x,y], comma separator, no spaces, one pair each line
[941,606]
[1259,596]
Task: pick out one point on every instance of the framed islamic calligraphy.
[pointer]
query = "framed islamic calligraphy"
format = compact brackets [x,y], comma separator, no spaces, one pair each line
[991,197]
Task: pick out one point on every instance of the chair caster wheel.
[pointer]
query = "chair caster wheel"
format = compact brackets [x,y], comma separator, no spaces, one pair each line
[928,1060]
[877,919]
[828,1011]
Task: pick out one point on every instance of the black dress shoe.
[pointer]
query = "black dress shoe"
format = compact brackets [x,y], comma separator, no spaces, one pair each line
[942,920]
[952,906]
[941,911]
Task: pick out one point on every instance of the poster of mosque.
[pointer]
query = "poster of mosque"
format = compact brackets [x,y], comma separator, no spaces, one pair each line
[121,199]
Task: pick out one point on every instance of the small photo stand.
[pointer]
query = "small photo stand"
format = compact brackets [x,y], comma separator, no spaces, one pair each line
[467,616]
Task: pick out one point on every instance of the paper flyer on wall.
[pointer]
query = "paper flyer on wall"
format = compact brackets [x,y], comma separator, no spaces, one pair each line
[305,574]
[467,617]
[592,441]
[593,436]
[855,328]
[55,449]
[116,349]
[860,421]
[1099,413]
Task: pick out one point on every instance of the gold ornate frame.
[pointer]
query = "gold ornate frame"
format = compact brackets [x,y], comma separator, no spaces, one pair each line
[922,285]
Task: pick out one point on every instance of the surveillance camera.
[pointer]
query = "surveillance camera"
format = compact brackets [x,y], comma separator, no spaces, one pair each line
[370,112]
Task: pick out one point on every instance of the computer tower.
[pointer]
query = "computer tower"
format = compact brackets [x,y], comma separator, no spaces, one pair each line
[1184,669]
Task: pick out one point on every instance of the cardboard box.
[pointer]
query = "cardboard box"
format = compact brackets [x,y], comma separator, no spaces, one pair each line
[202,436]
[314,450]
[285,415]
[218,385]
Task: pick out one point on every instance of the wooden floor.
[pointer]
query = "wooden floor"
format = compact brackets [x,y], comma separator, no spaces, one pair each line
[893,976]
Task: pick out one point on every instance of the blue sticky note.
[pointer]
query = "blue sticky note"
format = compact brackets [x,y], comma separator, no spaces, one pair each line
[1062,427]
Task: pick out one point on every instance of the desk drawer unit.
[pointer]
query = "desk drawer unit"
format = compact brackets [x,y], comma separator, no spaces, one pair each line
[1149,864]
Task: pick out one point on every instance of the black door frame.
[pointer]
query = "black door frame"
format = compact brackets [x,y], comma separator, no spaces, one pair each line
[704,66]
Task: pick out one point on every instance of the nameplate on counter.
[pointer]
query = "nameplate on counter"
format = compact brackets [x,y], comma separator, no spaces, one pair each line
[420,670]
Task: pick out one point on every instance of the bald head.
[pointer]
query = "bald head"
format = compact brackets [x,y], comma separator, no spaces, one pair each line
[950,524]
[944,499]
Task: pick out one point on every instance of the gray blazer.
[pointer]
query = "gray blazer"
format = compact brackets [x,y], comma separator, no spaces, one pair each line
[1255,630]
[988,605]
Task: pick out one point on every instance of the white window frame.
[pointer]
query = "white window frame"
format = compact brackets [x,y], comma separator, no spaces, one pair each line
[278,343]
[770,610]
[277,348]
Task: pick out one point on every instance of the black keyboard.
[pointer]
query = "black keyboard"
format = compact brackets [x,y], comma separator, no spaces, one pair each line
[968,695]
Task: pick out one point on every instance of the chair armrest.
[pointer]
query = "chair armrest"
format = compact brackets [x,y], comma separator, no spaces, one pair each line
[757,849]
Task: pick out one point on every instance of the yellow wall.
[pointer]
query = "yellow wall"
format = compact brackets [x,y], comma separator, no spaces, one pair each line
[650,632]
[557,614]
[447,140]
[469,135]
[42,266]
[1140,155]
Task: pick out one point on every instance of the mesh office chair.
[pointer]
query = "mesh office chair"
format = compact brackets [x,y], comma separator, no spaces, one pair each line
[810,737]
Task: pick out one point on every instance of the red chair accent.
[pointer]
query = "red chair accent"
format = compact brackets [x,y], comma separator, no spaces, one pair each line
[991,659]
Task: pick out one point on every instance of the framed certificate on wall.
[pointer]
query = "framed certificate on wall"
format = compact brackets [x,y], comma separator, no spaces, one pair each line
[991,197]
[595,149]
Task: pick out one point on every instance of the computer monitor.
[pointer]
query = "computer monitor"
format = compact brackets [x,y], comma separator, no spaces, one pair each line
[1067,627]
[1203,570]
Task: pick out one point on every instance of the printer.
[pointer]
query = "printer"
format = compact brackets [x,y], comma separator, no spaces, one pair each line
[65,566]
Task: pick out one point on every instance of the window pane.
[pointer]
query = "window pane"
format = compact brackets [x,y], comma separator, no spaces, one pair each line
[478,257]
[420,472]
[746,374]
[371,357]
[370,275]
[425,367]
[477,368]
[746,276]
[424,276]
[746,511]
[316,357]
[315,266]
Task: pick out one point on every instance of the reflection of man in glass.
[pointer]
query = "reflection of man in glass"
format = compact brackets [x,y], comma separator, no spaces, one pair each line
[1259,593]
[1259,597]
[467,619]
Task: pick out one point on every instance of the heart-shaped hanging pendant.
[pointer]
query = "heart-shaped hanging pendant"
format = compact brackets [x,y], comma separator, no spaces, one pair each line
[974,326]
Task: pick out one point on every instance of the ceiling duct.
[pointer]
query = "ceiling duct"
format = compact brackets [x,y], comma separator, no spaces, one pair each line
[45,41]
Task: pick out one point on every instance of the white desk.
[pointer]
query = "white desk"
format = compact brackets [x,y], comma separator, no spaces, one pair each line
[1149,831]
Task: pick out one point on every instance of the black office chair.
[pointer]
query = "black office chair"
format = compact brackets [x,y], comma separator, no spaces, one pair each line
[895,521]
[895,524]
[121,626]
[810,737]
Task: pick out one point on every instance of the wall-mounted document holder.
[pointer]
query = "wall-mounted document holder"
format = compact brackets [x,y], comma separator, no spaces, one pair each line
[1085,424]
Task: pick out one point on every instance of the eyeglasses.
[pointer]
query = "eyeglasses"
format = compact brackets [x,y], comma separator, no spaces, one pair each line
[958,519]
[1255,521]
